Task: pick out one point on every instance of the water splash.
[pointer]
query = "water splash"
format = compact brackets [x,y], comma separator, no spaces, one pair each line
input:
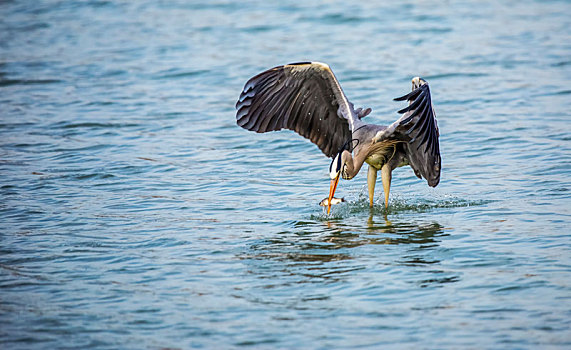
[398,204]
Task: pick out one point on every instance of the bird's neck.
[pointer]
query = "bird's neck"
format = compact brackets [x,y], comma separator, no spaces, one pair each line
[354,164]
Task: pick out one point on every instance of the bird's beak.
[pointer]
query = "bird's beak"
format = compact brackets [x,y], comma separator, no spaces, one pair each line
[332,188]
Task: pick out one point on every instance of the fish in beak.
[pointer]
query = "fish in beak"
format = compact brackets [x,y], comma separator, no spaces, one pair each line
[325,201]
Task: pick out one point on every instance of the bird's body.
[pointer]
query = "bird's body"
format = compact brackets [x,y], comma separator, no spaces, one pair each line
[307,98]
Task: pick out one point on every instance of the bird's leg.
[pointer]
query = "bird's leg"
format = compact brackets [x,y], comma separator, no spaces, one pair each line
[371,181]
[386,177]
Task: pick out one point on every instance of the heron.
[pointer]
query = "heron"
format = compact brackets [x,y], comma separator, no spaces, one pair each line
[307,98]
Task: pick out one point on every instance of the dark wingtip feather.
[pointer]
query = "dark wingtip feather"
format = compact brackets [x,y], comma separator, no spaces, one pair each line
[411,95]
[420,99]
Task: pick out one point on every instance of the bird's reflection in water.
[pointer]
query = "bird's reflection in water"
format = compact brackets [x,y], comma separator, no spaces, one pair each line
[331,255]
[384,231]
[358,253]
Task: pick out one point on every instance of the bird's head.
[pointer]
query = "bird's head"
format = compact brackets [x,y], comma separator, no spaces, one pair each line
[335,169]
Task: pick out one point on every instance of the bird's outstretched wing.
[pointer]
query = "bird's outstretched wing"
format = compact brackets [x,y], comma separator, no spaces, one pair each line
[418,127]
[304,97]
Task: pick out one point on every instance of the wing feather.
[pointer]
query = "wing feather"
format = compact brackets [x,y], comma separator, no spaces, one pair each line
[419,129]
[304,97]
[423,150]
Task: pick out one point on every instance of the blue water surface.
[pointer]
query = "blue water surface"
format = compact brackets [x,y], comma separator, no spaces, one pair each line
[136,214]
